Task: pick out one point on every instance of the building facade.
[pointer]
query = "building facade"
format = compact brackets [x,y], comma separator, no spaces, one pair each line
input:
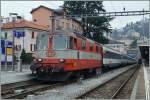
[41,15]
[25,33]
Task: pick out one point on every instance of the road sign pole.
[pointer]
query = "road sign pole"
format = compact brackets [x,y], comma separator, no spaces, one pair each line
[13,51]
[13,45]
[5,54]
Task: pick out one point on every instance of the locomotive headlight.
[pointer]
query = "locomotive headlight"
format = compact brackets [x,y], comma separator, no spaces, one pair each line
[40,59]
[34,60]
[62,60]
[42,70]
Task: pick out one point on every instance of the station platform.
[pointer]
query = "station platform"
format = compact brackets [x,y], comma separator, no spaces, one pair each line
[8,77]
[141,86]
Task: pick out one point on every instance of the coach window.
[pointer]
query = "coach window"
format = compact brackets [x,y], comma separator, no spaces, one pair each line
[96,48]
[75,43]
[91,46]
[83,44]
[70,43]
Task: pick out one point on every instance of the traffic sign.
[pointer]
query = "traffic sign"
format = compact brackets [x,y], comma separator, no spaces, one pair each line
[19,34]
[9,51]
[9,44]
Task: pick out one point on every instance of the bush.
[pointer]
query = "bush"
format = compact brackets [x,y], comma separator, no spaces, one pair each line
[29,58]
[26,57]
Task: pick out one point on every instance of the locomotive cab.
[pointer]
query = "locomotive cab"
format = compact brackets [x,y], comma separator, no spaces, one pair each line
[64,54]
[55,53]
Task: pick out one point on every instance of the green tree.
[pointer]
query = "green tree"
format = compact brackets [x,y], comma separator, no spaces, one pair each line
[29,58]
[23,56]
[95,25]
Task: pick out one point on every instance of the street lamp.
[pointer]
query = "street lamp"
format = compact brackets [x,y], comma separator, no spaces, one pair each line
[13,22]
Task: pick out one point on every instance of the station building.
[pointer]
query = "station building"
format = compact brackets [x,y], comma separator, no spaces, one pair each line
[25,33]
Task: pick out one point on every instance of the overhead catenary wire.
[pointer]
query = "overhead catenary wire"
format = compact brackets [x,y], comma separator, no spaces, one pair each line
[112,14]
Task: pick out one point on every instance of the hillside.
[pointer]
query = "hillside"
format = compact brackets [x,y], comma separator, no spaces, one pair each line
[132,27]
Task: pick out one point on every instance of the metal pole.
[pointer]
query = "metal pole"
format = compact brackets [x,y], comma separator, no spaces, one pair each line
[20,60]
[149,41]
[5,52]
[143,26]
[13,47]
[20,64]
[23,39]
[53,23]
[86,26]
[13,22]
[24,34]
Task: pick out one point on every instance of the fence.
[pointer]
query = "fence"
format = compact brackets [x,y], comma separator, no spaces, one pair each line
[20,68]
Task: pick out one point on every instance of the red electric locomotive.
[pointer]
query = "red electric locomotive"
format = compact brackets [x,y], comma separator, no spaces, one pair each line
[66,54]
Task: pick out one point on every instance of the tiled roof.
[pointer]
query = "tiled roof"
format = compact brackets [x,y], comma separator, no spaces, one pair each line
[23,24]
[58,11]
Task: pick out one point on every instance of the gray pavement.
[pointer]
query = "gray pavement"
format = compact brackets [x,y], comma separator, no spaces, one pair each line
[10,68]
[141,87]
[147,81]
[9,76]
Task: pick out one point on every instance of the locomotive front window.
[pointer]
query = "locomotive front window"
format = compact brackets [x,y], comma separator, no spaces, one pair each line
[59,42]
[42,41]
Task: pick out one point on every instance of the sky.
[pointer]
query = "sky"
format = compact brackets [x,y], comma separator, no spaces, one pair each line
[24,8]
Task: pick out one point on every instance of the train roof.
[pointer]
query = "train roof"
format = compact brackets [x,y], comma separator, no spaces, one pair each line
[131,57]
[79,35]
[112,50]
[75,35]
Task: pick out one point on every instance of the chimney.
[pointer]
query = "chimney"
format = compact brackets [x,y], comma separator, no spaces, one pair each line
[19,18]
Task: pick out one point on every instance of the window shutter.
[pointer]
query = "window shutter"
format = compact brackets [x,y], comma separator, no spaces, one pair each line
[34,47]
[20,47]
[30,47]
[32,35]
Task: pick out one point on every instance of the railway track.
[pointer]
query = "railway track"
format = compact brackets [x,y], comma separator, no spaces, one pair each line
[15,91]
[9,88]
[26,88]
[125,90]
[119,87]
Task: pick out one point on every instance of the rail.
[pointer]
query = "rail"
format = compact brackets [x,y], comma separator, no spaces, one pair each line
[116,92]
[32,89]
[122,85]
